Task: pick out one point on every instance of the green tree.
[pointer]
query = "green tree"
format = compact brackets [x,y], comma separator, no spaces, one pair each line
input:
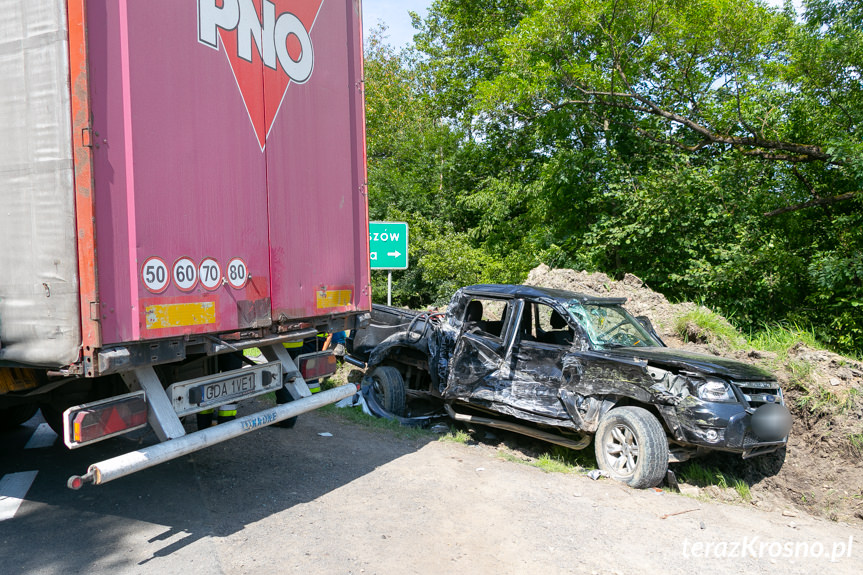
[422,169]
[710,146]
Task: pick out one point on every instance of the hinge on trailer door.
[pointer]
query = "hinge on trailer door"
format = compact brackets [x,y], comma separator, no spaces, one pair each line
[87,137]
[94,311]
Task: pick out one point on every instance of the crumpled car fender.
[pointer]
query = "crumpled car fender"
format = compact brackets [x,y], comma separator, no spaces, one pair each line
[396,341]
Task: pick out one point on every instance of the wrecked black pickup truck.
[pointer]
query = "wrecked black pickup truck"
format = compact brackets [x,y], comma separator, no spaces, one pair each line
[563,367]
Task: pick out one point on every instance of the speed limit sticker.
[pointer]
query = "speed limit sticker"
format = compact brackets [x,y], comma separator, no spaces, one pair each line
[237,274]
[210,273]
[154,272]
[185,274]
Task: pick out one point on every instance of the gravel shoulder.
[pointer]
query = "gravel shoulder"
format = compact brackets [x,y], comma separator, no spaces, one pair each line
[335,497]
[364,501]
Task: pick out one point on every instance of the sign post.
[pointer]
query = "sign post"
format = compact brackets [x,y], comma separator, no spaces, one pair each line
[388,249]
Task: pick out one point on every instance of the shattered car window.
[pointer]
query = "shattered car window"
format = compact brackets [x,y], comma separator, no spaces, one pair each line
[610,326]
[486,315]
[551,326]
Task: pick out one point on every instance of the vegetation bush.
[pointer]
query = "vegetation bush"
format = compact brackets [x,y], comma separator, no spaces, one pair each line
[711,147]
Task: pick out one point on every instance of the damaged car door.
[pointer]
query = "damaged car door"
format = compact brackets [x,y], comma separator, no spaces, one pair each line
[479,367]
[543,342]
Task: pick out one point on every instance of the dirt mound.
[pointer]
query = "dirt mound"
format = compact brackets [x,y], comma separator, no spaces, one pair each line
[641,300]
[822,470]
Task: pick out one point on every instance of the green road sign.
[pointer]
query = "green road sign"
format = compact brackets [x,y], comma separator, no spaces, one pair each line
[388,245]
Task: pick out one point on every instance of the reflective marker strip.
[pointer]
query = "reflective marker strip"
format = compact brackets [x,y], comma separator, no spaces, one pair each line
[180,314]
[13,488]
[334,298]
[44,436]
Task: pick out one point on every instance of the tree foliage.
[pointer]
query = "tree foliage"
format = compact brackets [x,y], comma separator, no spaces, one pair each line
[712,147]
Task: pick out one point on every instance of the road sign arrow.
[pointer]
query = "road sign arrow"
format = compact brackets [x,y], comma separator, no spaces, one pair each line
[388,245]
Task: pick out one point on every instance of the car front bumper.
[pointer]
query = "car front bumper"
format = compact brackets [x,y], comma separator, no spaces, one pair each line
[731,427]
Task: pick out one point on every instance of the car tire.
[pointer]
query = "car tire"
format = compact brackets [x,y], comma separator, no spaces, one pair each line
[12,417]
[389,389]
[631,447]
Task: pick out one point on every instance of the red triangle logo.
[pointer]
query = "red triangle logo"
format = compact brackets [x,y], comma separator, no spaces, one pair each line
[268,51]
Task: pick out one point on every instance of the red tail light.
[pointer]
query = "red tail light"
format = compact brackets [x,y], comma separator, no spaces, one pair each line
[103,419]
[317,365]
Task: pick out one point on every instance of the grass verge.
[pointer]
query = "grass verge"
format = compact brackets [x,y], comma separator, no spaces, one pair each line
[816,398]
[702,325]
[558,460]
[456,436]
[694,473]
[356,416]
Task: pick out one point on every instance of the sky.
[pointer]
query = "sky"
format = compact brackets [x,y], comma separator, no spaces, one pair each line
[395,14]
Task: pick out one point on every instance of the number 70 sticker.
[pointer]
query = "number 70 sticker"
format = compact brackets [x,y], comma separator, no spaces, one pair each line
[211,274]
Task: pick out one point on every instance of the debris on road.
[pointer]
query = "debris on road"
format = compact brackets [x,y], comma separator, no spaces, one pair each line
[667,515]
[595,474]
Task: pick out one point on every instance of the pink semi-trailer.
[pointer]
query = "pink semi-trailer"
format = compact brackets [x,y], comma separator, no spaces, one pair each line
[180,180]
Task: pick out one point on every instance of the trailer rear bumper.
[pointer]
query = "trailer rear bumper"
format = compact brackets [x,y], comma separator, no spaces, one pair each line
[129,463]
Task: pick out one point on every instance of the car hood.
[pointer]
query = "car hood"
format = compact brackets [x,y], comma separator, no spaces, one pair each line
[707,364]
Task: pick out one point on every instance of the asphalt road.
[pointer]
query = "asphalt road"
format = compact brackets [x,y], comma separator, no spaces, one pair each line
[356,500]
[179,517]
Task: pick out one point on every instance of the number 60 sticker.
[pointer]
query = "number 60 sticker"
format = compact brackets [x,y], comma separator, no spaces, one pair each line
[185,274]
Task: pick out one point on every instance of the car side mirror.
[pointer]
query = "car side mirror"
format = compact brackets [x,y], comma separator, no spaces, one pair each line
[645,321]
[648,325]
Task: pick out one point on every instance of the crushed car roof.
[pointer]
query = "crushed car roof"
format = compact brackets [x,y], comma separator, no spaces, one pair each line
[527,291]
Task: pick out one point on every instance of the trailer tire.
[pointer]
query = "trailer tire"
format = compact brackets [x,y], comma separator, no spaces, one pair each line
[12,417]
[389,389]
[53,417]
[631,447]
[284,396]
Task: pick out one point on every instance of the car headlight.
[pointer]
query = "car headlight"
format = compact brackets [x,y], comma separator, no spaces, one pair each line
[712,389]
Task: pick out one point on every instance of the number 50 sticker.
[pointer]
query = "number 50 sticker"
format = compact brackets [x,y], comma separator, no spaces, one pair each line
[154,272]
[237,273]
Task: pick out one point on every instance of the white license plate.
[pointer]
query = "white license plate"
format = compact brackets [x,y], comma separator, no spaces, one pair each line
[205,392]
[225,390]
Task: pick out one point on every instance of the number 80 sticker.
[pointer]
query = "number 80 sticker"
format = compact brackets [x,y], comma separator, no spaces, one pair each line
[237,273]
[154,272]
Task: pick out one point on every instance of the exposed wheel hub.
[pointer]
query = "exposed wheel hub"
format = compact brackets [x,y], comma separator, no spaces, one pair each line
[621,449]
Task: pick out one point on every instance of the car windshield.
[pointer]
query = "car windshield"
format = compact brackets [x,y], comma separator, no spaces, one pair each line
[610,326]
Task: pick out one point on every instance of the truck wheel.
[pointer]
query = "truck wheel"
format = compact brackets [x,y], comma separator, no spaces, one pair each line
[53,417]
[12,417]
[284,396]
[631,447]
[389,389]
